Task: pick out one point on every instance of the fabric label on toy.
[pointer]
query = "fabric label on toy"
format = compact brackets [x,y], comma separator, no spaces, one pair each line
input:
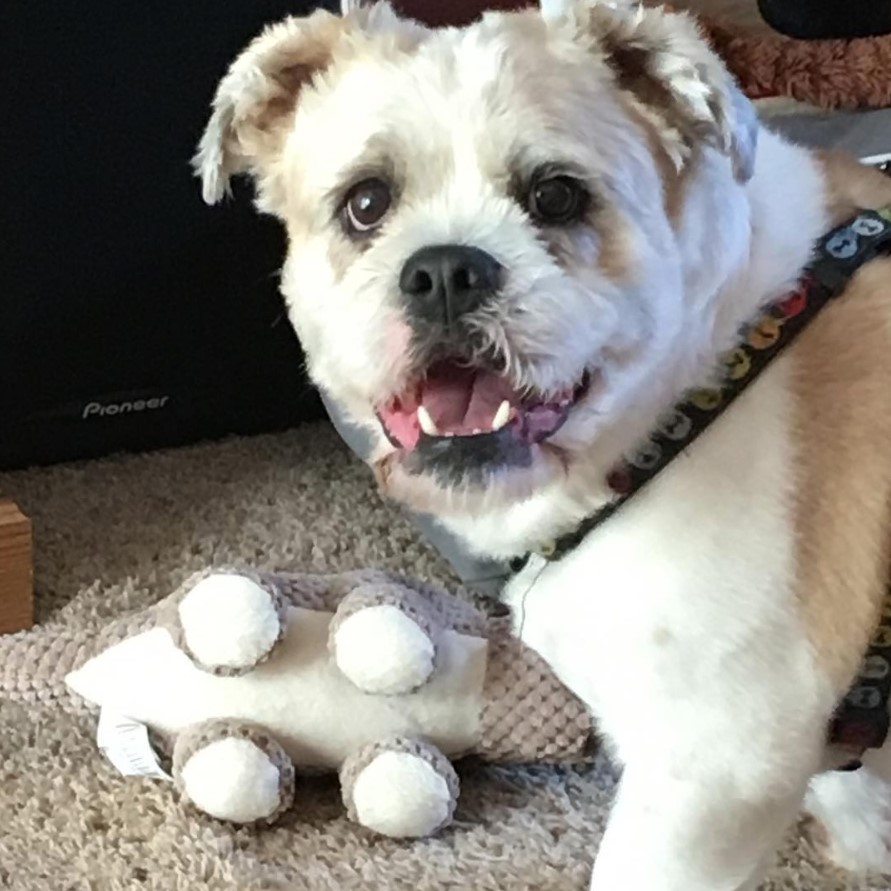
[125,743]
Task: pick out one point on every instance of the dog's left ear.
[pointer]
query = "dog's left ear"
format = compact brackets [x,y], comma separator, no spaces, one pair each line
[663,62]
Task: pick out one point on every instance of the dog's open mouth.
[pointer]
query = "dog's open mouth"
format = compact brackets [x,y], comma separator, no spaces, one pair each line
[456,402]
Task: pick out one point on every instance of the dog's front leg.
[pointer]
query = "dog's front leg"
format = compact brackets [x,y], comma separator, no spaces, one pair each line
[695,829]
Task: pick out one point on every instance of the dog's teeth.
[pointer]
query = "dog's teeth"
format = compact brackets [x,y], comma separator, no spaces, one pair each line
[426,422]
[502,416]
[476,431]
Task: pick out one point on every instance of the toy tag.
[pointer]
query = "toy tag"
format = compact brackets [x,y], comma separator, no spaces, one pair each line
[125,743]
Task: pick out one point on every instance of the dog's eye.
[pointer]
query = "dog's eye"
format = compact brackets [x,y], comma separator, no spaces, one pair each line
[366,205]
[556,200]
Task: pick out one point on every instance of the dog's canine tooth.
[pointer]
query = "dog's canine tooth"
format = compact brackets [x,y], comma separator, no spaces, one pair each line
[426,422]
[502,416]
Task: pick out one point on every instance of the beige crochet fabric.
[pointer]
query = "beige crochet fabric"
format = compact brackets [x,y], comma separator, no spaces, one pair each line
[527,715]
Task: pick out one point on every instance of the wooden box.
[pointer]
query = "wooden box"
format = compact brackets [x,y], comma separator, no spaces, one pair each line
[16,580]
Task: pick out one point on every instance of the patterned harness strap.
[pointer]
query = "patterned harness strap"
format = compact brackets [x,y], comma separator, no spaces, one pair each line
[862,720]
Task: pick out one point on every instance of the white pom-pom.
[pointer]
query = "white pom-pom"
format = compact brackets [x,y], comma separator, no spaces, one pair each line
[381,650]
[229,621]
[232,779]
[402,796]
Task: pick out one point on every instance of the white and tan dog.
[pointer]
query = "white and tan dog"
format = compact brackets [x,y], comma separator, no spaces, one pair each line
[512,247]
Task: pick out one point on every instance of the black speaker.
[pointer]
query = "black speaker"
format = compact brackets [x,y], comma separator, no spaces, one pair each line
[821,19]
[132,315]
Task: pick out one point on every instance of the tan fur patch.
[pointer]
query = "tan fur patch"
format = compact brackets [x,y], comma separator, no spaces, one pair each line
[615,255]
[602,231]
[341,254]
[673,180]
[852,186]
[260,133]
[843,396]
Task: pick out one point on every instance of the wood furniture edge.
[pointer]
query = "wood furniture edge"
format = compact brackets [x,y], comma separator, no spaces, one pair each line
[16,569]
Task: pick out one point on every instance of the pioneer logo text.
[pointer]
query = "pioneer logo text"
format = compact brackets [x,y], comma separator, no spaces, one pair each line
[110,409]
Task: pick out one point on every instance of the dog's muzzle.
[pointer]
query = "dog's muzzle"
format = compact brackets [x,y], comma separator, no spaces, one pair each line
[443,283]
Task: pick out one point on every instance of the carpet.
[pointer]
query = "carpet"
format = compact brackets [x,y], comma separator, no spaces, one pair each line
[116,535]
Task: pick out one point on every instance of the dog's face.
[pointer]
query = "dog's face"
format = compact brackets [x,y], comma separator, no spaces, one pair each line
[485,266]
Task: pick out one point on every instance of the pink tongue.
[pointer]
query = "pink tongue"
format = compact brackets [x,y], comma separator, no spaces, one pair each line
[461,400]
[541,421]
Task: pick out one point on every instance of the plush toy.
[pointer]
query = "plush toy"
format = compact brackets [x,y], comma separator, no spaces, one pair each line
[829,74]
[243,678]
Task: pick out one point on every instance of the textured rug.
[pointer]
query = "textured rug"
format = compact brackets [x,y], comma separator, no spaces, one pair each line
[115,535]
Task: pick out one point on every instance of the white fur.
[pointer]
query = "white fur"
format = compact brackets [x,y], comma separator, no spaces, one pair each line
[401,795]
[381,650]
[230,621]
[691,654]
[444,108]
[686,645]
[730,271]
[232,779]
[676,621]
[854,808]
[555,10]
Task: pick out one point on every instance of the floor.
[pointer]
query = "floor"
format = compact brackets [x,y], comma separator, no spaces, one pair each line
[116,535]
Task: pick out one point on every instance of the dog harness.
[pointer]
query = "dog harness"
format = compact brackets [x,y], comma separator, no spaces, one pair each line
[862,719]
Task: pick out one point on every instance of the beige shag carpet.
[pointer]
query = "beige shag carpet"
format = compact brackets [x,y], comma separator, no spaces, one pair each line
[118,534]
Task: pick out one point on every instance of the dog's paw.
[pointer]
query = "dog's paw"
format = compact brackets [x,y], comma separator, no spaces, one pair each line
[853,810]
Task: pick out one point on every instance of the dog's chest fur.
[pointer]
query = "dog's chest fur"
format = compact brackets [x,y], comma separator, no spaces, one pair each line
[691,586]
[752,570]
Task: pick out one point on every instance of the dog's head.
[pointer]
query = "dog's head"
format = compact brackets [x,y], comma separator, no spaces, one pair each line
[499,236]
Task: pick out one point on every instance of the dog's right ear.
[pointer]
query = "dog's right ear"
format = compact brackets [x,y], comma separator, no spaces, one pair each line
[662,61]
[255,102]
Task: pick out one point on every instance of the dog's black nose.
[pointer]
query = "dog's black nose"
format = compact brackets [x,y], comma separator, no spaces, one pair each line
[446,281]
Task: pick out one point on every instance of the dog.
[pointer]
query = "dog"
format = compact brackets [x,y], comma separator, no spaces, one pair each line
[512,247]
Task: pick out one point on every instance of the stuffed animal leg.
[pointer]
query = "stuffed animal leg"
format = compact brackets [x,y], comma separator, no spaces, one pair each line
[404,788]
[382,639]
[233,771]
